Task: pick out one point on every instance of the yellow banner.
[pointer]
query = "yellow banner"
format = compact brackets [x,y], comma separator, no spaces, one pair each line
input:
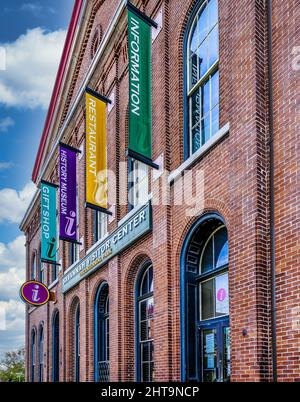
[96,158]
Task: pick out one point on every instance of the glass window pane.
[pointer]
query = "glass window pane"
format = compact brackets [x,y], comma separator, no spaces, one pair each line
[144,331]
[146,372]
[146,352]
[205,99]
[151,371]
[207,299]
[209,355]
[194,72]
[143,307]
[194,37]
[202,25]
[213,46]
[150,308]
[221,295]
[215,120]
[196,111]
[196,138]
[226,352]
[150,279]
[215,89]
[205,128]
[144,284]
[203,57]
[207,261]
[221,248]
[212,13]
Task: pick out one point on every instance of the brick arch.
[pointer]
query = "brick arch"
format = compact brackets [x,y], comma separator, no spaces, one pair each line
[75,303]
[211,205]
[136,264]
[96,40]
[79,62]
[92,299]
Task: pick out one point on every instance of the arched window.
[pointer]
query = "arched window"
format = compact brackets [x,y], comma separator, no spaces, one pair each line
[41,353]
[202,86]
[102,334]
[145,321]
[33,267]
[77,344]
[33,354]
[55,348]
[205,297]
[41,267]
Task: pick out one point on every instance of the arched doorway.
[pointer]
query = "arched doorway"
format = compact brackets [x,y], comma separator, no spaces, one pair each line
[101,334]
[205,344]
[55,348]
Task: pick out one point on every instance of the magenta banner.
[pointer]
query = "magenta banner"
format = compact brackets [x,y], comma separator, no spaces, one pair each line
[67,191]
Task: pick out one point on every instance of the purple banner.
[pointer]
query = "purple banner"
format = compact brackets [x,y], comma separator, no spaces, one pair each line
[67,191]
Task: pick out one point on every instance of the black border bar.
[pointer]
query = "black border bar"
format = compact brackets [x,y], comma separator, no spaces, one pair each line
[141,158]
[142,15]
[50,262]
[97,95]
[70,240]
[70,147]
[49,184]
[96,208]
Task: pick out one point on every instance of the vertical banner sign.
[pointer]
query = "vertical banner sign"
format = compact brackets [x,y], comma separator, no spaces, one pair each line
[140,87]
[96,166]
[48,222]
[67,194]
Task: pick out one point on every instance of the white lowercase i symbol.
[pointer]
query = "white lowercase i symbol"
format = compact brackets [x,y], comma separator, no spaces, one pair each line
[70,224]
[35,293]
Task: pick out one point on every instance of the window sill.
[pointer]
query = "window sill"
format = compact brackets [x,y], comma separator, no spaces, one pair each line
[197,155]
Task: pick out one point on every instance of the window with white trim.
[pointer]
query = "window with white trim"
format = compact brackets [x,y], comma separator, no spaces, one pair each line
[100,225]
[138,183]
[203,75]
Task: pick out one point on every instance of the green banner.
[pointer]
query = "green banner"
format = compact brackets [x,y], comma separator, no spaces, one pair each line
[140,86]
[48,223]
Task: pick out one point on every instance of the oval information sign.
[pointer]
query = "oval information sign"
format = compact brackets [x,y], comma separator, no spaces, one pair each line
[34,293]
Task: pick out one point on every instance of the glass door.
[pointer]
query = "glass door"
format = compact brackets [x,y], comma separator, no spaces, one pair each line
[214,337]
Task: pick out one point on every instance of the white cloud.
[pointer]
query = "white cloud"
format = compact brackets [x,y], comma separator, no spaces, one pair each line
[12,309]
[5,123]
[13,203]
[31,66]
[13,336]
[5,165]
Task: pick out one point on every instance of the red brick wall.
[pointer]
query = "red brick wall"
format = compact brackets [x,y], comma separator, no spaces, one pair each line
[286,143]
[236,177]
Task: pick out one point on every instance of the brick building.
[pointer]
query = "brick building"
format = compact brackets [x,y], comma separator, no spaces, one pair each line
[206,292]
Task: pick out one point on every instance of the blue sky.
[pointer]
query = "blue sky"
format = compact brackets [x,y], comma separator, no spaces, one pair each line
[32,34]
